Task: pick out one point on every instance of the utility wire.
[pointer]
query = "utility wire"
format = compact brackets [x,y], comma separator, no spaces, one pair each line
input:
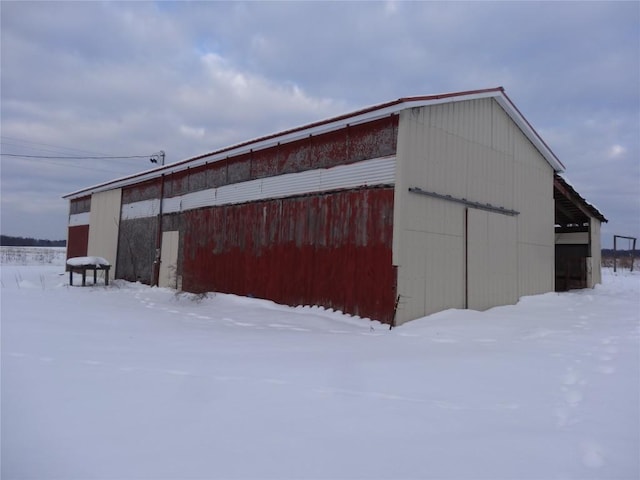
[57,147]
[72,158]
[93,169]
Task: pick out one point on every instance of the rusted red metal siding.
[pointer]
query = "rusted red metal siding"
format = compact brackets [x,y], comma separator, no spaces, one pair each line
[331,249]
[350,144]
[80,205]
[141,191]
[327,249]
[78,235]
[77,241]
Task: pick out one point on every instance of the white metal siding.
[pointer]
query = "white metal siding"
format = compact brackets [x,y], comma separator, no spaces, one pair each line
[596,252]
[379,171]
[572,238]
[492,259]
[79,219]
[142,209]
[470,150]
[104,220]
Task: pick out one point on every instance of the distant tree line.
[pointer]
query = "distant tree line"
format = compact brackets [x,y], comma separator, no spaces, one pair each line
[609,252]
[7,241]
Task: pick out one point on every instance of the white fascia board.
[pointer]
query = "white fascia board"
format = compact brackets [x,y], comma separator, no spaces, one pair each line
[369,114]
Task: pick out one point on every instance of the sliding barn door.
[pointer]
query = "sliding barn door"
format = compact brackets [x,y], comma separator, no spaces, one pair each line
[492,259]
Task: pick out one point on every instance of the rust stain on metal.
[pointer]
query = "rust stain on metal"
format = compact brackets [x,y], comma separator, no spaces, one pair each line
[332,250]
[143,191]
[80,205]
[352,144]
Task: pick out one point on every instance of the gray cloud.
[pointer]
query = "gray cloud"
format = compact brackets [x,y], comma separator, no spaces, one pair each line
[190,77]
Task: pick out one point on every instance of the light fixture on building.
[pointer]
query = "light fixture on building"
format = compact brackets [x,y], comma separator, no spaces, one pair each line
[157,156]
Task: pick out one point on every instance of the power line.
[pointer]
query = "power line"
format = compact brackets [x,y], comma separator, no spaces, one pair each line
[93,169]
[73,158]
[57,147]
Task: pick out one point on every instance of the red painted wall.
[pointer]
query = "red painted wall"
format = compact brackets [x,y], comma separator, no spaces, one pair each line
[329,249]
[78,241]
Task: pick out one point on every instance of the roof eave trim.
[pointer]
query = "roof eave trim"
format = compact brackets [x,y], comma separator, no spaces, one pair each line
[325,126]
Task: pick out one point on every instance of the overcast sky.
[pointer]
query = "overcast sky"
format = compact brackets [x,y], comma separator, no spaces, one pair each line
[134,78]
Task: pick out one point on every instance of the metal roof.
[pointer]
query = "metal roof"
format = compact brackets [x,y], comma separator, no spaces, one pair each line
[571,208]
[335,123]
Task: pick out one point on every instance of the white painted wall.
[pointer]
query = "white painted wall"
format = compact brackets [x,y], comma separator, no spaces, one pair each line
[168,277]
[492,259]
[596,252]
[572,238]
[104,221]
[469,150]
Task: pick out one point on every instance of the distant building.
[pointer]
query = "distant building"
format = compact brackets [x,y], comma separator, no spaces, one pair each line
[416,205]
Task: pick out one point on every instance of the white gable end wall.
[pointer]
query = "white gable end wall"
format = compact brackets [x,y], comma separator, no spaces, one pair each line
[446,255]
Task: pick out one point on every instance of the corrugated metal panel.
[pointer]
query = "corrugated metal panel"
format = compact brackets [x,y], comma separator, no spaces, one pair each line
[380,171]
[143,209]
[238,193]
[79,219]
[169,205]
[77,241]
[136,249]
[80,205]
[536,268]
[103,225]
[596,251]
[351,120]
[326,249]
[492,277]
[168,276]
[431,269]
[471,150]
[290,184]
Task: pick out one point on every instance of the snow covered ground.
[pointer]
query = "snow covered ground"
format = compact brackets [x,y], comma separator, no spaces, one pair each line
[132,382]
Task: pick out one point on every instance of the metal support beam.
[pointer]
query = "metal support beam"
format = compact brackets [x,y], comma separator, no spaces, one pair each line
[615,250]
[463,201]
